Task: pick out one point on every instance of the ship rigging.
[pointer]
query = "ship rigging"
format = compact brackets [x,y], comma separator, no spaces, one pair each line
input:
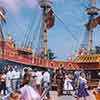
[25,55]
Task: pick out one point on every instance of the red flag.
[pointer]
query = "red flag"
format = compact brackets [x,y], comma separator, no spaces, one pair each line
[50,19]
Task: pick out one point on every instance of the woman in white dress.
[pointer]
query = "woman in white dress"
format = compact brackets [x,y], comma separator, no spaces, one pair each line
[67,85]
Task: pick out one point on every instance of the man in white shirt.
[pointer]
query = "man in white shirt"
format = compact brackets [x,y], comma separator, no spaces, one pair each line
[46,81]
[46,77]
[8,82]
[18,76]
[39,80]
[38,77]
[15,78]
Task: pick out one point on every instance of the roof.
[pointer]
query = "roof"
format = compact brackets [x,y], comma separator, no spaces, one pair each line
[88,58]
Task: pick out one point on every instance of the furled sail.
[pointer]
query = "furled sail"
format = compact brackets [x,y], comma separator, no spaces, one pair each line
[93,23]
[50,19]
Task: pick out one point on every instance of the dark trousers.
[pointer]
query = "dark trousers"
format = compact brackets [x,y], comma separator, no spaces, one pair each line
[4,87]
[60,84]
[0,87]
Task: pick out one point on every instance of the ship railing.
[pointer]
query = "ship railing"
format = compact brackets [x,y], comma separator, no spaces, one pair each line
[25,50]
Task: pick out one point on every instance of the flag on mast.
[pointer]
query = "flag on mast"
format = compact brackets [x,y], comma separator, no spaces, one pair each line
[50,18]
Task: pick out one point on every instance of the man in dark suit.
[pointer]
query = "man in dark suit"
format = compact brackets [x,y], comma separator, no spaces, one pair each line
[60,80]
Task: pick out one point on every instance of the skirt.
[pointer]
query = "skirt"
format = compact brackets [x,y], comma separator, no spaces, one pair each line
[82,92]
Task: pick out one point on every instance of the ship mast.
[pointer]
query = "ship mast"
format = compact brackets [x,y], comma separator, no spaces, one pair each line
[92,12]
[2,21]
[45,5]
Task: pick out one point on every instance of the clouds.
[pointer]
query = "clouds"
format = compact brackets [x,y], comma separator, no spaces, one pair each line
[16,5]
[13,5]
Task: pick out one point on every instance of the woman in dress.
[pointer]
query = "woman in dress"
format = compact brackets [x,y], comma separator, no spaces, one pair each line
[67,85]
[82,88]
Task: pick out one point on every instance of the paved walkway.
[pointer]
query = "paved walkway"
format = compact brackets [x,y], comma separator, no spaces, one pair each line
[1,96]
[55,97]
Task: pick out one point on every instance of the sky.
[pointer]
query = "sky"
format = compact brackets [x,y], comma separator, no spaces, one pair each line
[24,16]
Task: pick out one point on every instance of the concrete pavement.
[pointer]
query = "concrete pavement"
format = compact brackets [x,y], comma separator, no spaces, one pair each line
[65,97]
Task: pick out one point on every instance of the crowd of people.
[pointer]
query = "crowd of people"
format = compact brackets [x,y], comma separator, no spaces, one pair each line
[28,84]
[68,81]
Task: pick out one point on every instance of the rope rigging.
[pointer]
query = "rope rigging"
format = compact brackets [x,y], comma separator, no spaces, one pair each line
[66,27]
[32,36]
[28,33]
[28,43]
[35,33]
[17,27]
[24,39]
[29,38]
[40,43]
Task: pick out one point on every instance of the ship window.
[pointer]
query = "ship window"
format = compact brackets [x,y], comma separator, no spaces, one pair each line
[51,64]
[70,66]
[61,65]
[11,54]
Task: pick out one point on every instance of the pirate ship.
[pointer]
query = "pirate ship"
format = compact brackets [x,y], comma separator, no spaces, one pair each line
[11,54]
[90,61]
